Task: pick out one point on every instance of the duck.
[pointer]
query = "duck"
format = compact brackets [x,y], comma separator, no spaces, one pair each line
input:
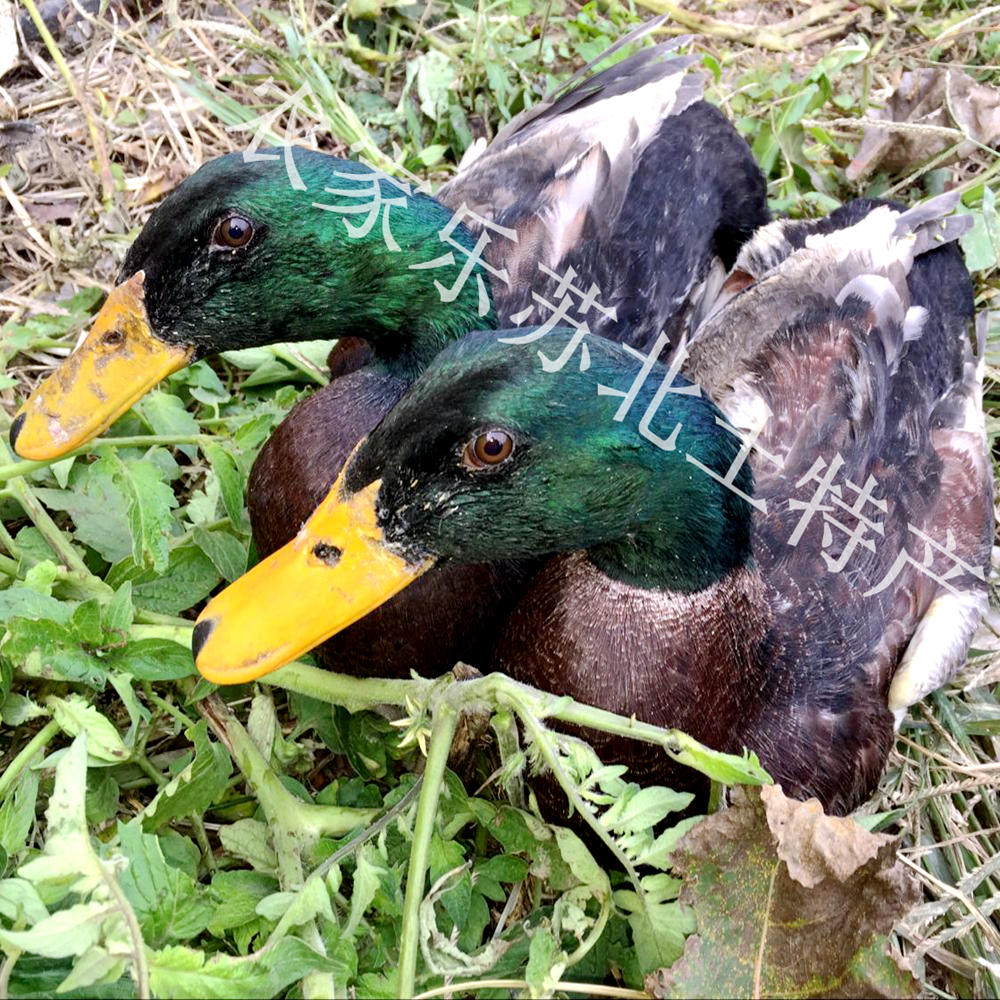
[263,249]
[629,183]
[780,544]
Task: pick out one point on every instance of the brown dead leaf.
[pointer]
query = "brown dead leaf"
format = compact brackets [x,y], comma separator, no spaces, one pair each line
[933,96]
[788,902]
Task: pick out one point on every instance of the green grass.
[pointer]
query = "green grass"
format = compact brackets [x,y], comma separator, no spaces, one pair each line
[225,806]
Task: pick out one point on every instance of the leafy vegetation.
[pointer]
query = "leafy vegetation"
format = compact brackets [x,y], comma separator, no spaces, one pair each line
[158,837]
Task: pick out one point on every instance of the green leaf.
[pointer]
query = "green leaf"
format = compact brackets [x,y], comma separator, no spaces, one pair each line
[192,791]
[153,660]
[17,814]
[68,862]
[86,624]
[272,370]
[118,613]
[165,414]
[546,962]
[76,716]
[521,833]
[368,874]
[292,909]
[48,650]
[224,466]
[99,511]
[19,900]
[20,602]
[41,577]
[659,924]
[641,809]
[149,502]
[95,967]
[102,799]
[171,906]
[18,709]
[64,934]
[240,892]
[981,244]
[190,578]
[503,868]
[179,973]
[228,553]
[724,767]
[36,978]
[248,839]
[435,75]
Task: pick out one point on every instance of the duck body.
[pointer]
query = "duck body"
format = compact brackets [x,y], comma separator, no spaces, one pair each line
[822,671]
[673,589]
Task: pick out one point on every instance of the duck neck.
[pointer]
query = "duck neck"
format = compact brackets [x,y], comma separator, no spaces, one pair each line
[688,531]
[409,311]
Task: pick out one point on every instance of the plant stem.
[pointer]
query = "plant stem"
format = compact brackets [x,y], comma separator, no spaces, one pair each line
[541,740]
[140,964]
[291,819]
[7,540]
[24,758]
[11,470]
[57,541]
[172,710]
[173,633]
[442,734]
[353,693]
[155,618]
[294,825]
[140,759]
[288,355]
[586,989]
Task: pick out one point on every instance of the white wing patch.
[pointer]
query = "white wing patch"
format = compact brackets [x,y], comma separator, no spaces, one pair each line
[937,649]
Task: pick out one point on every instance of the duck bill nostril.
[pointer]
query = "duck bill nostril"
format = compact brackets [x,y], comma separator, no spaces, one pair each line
[329,554]
[305,592]
[119,361]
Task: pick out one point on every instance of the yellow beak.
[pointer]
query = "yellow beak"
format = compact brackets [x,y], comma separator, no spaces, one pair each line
[334,572]
[117,363]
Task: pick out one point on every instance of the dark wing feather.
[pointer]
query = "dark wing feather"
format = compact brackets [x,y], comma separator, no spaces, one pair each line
[630,180]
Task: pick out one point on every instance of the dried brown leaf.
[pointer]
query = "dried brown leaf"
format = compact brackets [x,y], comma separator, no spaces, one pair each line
[942,98]
[788,902]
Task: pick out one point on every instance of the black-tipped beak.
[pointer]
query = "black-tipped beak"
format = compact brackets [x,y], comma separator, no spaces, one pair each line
[15,428]
[200,635]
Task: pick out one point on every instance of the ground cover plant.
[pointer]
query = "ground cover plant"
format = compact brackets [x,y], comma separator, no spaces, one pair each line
[306,836]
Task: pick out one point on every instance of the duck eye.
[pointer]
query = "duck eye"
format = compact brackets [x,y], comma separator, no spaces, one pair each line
[490,448]
[233,232]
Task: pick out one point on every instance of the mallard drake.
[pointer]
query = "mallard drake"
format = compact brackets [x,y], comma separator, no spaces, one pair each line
[576,189]
[700,576]
[598,182]
[308,246]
